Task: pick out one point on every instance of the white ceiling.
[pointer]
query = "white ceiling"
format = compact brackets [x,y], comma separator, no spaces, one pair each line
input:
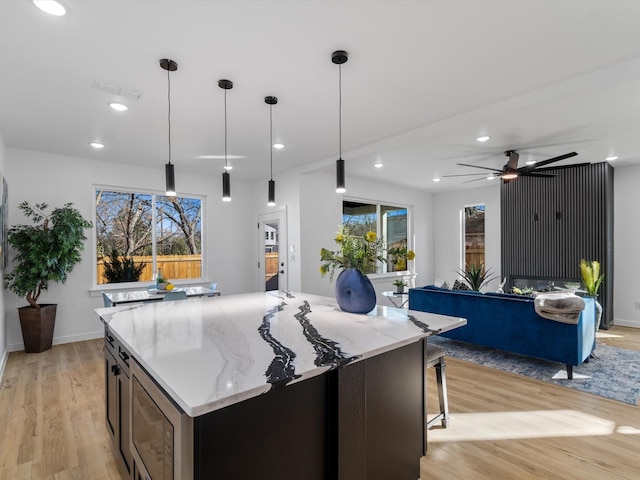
[423,80]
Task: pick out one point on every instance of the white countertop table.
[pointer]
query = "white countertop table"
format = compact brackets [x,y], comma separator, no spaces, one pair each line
[154,295]
[210,353]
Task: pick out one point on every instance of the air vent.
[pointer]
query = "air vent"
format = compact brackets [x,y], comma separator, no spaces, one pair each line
[114,89]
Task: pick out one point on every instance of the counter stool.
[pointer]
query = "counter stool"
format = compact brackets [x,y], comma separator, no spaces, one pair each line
[435,358]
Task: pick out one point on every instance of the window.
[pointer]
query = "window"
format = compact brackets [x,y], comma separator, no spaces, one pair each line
[140,233]
[389,222]
[474,234]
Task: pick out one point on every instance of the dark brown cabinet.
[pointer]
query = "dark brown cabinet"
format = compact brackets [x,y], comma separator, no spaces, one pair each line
[117,399]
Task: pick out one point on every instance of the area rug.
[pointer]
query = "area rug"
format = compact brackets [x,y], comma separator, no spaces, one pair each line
[614,373]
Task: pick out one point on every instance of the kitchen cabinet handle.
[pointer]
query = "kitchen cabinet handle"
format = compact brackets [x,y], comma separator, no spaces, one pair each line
[115,369]
[110,339]
[124,356]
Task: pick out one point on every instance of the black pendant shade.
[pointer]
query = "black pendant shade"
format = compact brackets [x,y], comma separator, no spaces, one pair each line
[226,187]
[340,185]
[272,193]
[171,180]
[169,66]
[339,57]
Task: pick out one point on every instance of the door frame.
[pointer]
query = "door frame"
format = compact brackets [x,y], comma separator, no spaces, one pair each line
[278,214]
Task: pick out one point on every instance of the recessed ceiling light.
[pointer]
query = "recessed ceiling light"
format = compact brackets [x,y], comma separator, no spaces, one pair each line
[278,145]
[51,7]
[228,167]
[491,177]
[611,158]
[97,145]
[483,138]
[118,107]
[530,162]
[378,164]
[437,179]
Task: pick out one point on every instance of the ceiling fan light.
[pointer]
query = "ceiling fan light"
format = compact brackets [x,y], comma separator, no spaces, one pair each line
[509,176]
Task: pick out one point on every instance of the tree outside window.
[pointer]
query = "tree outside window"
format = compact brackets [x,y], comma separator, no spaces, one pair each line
[474,235]
[143,233]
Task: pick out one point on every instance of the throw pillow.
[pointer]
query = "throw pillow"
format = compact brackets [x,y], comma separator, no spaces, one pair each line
[458,285]
[445,286]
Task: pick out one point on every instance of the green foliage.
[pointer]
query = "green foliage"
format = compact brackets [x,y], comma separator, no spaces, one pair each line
[591,276]
[475,276]
[362,252]
[47,251]
[400,283]
[119,269]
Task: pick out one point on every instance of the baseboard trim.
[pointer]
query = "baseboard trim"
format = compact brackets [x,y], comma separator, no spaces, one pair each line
[16,347]
[626,323]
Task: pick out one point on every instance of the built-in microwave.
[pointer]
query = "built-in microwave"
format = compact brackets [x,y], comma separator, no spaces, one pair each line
[161,433]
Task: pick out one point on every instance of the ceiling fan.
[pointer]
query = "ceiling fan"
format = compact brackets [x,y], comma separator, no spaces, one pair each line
[511,171]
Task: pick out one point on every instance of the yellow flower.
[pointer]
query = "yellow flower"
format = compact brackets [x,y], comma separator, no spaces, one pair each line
[370,236]
[411,255]
[339,238]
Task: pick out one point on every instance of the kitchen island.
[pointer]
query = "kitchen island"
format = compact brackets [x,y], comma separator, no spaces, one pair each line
[280,386]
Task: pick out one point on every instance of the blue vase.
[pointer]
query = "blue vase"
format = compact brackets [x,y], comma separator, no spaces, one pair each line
[354,292]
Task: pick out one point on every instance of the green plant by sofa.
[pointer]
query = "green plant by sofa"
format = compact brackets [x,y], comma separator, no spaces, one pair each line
[476,277]
[591,276]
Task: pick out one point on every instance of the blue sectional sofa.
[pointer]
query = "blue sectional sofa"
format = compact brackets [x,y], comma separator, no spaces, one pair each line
[510,322]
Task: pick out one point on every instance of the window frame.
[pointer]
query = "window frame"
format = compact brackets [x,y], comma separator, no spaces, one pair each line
[463,233]
[154,194]
[382,266]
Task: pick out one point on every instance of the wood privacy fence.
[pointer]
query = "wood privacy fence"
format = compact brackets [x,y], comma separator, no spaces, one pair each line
[270,265]
[172,267]
[474,255]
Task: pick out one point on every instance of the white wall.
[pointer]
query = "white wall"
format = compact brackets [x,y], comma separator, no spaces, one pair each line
[447,228]
[55,179]
[626,256]
[321,215]
[4,352]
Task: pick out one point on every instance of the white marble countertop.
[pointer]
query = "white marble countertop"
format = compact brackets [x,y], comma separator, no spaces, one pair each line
[208,353]
[147,295]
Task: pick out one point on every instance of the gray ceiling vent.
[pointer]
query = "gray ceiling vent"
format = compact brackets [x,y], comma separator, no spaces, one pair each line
[114,89]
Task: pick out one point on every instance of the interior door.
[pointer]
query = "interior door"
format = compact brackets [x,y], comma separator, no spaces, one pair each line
[272,266]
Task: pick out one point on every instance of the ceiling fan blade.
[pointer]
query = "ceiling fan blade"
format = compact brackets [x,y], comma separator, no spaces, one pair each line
[475,180]
[547,162]
[573,165]
[477,166]
[465,175]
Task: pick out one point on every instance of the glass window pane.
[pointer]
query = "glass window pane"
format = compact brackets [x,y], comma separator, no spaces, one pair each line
[474,234]
[394,231]
[123,231]
[361,217]
[179,237]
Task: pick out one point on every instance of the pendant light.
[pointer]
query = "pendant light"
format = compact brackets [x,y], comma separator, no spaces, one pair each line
[226,176]
[169,66]
[271,201]
[339,57]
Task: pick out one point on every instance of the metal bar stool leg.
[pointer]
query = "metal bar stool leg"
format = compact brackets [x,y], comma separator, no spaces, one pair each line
[435,358]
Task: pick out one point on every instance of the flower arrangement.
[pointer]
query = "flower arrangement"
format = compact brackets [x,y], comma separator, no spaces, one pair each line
[400,256]
[362,252]
[591,276]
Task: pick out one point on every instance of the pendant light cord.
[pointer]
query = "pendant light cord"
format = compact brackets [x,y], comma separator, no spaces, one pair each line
[340,109]
[271,137]
[169,114]
[225,130]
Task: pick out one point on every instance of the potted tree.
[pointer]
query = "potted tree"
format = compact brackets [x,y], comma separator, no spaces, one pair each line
[47,251]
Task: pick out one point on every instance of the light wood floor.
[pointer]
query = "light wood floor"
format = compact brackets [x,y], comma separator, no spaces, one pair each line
[503,426]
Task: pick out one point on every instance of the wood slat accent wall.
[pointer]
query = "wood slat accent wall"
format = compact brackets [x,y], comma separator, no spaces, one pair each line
[549,224]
